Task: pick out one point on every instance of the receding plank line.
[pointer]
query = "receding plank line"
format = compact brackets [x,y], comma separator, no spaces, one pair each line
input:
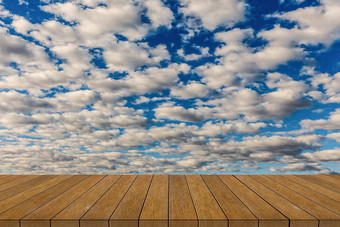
[297,216]
[315,187]
[13,183]
[181,207]
[41,217]
[8,178]
[129,209]
[155,209]
[208,211]
[27,194]
[325,216]
[238,214]
[267,215]
[323,200]
[322,182]
[101,211]
[71,215]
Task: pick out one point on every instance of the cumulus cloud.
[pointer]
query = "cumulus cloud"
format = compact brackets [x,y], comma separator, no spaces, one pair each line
[179,113]
[214,13]
[332,123]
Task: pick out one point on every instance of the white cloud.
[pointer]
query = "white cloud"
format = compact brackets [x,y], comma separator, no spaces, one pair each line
[331,86]
[214,13]
[190,90]
[332,123]
[179,113]
[324,155]
[158,13]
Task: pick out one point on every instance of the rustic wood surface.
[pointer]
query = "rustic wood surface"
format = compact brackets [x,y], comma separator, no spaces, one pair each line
[169,200]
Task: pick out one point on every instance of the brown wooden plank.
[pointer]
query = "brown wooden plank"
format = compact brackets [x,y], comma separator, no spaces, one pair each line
[315,187]
[238,214]
[27,194]
[129,209]
[297,216]
[181,208]
[207,209]
[325,216]
[323,200]
[8,178]
[13,215]
[155,210]
[16,182]
[267,215]
[41,216]
[101,211]
[71,215]
[321,181]
[24,187]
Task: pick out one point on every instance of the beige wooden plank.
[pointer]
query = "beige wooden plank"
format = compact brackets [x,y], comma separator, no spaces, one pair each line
[8,178]
[181,207]
[321,181]
[207,209]
[41,216]
[24,187]
[13,215]
[297,216]
[238,214]
[267,215]
[325,216]
[23,196]
[323,200]
[315,187]
[129,209]
[155,211]
[16,182]
[101,211]
[71,215]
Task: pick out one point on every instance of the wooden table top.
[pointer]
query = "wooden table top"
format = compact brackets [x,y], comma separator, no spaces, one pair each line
[169,200]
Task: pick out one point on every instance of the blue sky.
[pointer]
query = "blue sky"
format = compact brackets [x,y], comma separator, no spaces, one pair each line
[169,86]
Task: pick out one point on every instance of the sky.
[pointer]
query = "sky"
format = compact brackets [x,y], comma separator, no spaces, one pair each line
[170,87]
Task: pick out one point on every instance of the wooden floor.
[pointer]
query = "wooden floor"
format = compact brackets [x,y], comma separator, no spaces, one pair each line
[175,200]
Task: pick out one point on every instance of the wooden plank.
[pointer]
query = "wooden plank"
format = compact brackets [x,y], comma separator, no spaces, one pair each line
[41,216]
[323,200]
[325,216]
[155,211]
[13,215]
[320,181]
[101,211]
[8,178]
[315,187]
[27,194]
[24,186]
[238,214]
[16,182]
[267,215]
[71,215]
[129,209]
[297,216]
[207,209]
[181,208]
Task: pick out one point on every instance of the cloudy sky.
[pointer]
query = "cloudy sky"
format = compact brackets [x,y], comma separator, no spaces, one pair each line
[169,86]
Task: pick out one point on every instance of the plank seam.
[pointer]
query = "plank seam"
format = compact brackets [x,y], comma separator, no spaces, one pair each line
[258,220]
[146,195]
[198,220]
[99,197]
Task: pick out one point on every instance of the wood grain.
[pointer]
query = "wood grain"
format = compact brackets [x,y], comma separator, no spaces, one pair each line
[207,209]
[129,209]
[15,182]
[238,214]
[155,210]
[267,215]
[71,215]
[101,211]
[297,216]
[321,181]
[41,216]
[325,216]
[181,207]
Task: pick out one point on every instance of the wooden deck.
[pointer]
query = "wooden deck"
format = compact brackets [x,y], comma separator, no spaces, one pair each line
[175,200]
